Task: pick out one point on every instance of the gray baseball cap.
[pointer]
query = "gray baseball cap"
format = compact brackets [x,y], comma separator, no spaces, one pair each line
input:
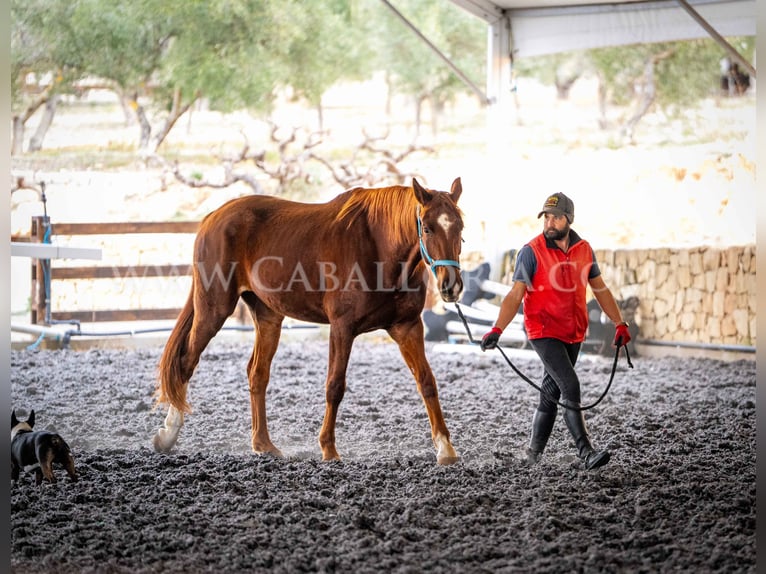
[558,204]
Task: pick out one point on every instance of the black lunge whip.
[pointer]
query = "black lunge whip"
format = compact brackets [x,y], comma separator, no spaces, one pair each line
[528,380]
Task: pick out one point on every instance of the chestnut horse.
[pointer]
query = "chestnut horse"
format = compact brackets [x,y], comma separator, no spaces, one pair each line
[359,262]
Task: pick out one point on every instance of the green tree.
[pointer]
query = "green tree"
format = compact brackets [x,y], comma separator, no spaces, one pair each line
[670,75]
[166,54]
[37,77]
[412,68]
[123,43]
[326,45]
[230,52]
[117,42]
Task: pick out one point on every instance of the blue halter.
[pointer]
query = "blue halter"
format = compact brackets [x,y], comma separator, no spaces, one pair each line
[424,252]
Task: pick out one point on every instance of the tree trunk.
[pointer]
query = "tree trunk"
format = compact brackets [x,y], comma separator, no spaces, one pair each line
[143,122]
[563,85]
[20,122]
[566,74]
[17,145]
[603,122]
[127,108]
[437,107]
[36,143]
[177,109]
[418,112]
[189,118]
[648,93]
[320,115]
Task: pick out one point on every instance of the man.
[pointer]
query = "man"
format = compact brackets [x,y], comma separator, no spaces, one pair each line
[551,275]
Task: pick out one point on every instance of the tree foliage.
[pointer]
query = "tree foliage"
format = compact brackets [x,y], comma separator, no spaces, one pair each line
[161,56]
[234,53]
[412,68]
[226,51]
[325,46]
[681,73]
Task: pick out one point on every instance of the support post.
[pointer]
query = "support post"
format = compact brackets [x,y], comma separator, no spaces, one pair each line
[38,296]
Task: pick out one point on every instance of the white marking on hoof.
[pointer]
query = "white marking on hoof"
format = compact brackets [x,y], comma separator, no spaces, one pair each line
[167,436]
[445,453]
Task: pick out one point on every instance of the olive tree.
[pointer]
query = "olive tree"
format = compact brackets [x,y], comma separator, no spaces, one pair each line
[411,67]
[668,75]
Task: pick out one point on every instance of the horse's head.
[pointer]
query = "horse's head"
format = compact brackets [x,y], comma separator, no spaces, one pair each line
[440,227]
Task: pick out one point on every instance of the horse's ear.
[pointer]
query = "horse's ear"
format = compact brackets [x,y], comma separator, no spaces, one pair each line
[31,418]
[14,420]
[423,196]
[457,189]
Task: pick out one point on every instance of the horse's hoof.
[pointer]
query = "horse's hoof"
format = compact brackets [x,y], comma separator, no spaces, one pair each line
[160,445]
[269,452]
[445,452]
[330,456]
[447,460]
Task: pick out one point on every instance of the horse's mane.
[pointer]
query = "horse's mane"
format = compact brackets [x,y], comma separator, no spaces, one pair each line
[391,208]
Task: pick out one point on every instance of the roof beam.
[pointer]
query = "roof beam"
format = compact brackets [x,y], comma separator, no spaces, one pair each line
[484,9]
[731,50]
[458,72]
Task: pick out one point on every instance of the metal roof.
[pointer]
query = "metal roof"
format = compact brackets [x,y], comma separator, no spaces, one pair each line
[548,26]
[521,28]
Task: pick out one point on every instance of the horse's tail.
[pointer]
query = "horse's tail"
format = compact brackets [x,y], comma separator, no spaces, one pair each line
[171,387]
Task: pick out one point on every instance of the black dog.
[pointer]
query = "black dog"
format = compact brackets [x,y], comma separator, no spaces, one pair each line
[38,450]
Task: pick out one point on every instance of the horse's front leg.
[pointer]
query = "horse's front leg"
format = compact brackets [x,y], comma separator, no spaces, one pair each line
[335,387]
[409,337]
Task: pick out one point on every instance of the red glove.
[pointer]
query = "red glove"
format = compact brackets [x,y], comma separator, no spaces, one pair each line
[621,335]
[489,340]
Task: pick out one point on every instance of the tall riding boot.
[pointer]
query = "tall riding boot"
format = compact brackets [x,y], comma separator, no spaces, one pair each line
[542,425]
[575,421]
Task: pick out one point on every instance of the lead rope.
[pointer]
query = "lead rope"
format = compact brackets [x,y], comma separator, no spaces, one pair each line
[532,383]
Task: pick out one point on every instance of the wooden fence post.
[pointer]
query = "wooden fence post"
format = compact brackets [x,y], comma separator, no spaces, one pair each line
[39,298]
[42,269]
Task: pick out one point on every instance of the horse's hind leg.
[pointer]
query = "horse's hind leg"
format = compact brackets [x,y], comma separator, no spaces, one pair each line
[201,334]
[409,337]
[167,436]
[201,319]
[268,329]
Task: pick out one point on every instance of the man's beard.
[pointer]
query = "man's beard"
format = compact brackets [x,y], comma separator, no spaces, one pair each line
[556,234]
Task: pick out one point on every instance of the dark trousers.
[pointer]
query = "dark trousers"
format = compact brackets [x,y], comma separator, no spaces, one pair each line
[560,379]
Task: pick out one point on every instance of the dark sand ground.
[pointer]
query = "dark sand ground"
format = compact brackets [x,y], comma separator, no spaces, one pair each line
[678,496]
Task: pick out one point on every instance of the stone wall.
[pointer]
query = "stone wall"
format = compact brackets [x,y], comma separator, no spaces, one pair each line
[698,295]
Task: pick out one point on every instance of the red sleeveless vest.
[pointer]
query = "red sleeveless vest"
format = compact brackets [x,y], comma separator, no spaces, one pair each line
[554,303]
